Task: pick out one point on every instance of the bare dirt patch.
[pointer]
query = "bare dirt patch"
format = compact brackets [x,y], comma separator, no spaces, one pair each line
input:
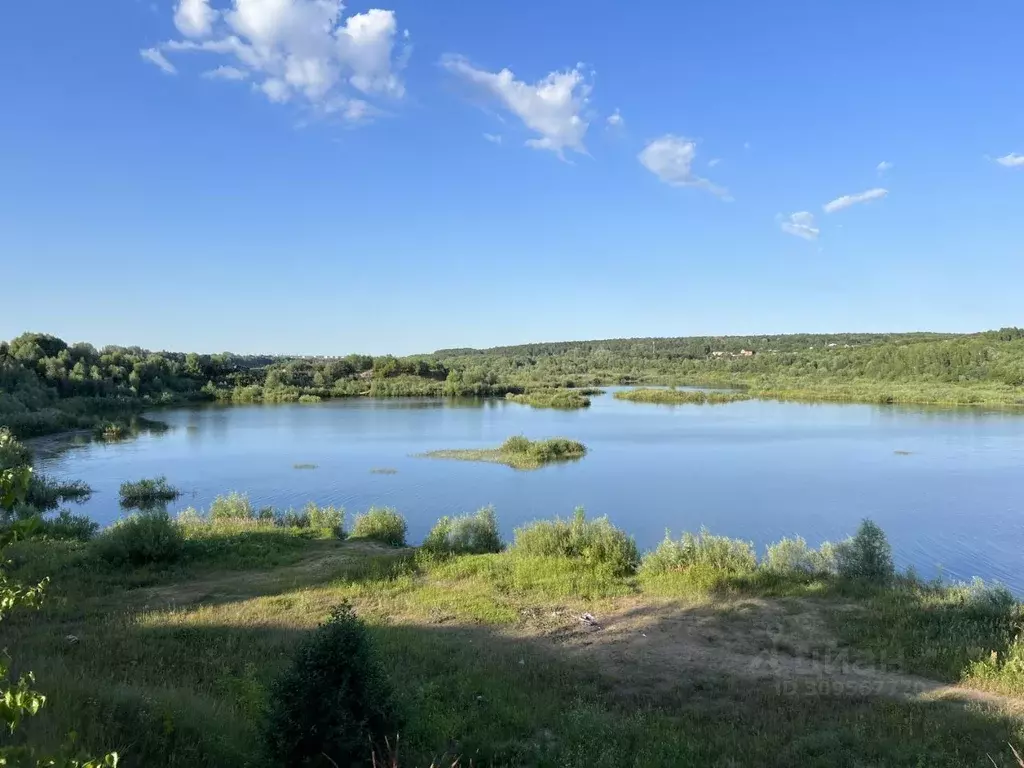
[662,649]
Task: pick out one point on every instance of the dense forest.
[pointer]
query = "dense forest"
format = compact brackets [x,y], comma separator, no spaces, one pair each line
[48,385]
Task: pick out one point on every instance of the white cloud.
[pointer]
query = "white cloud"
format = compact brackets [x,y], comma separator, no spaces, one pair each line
[670,158]
[299,50]
[276,90]
[615,119]
[493,138]
[194,18]
[883,167]
[746,145]
[154,56]
[552,107]
[1012,160]
[714,161]
[861,197]
[802,225]
[224,72]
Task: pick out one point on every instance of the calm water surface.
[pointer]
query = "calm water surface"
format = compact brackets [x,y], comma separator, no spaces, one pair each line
[758,470]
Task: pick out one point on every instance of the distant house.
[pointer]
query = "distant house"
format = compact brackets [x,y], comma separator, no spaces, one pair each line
[746,353]
[718,354]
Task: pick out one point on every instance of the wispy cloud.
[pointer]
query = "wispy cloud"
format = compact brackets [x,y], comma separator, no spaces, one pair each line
[300,51]
[861,197]
[670,158]
[802,225]
[884,167]
[1012,160]
[714,161]
[226,73]
[493,138]
[615,119]
[153,56]
[553,107]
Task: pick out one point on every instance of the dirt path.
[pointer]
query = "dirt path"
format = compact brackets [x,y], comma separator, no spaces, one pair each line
[662,648]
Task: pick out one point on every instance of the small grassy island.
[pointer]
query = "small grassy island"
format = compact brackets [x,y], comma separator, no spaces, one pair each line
[552,398]
[519,452]
[147,492]
[680,396]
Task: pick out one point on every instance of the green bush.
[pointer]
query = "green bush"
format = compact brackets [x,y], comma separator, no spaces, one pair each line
[465,535]
[69,527]
[234,506]
[141,539]
[703,549]
[333,706]
[866,556]
[793,556]
[594,541]
[147,492]
[380,524]
[314,516]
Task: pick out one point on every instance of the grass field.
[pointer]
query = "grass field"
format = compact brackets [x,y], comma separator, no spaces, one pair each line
[492,664]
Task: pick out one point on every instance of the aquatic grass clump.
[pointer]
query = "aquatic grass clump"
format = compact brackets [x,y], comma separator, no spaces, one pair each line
[702,550]
[382,524]
[304,465]
[594,541]
[465,535]
[681,396]
[520,452]
[565,399]
[147,492]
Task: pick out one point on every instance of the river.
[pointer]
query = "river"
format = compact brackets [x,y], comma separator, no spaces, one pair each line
[945,485]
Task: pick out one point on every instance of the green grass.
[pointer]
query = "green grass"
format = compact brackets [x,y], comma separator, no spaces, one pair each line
[171,664]
[519,452]
[147,492]
[552,398]
[680,396]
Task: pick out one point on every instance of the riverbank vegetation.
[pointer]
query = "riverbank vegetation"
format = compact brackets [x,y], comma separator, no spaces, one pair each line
[698,655]
[680,396]
[48,385]
[519,452]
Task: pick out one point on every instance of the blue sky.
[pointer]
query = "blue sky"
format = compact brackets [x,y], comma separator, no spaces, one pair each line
[291,176]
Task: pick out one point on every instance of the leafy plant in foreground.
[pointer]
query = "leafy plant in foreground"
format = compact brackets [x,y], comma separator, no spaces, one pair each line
[333,705]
